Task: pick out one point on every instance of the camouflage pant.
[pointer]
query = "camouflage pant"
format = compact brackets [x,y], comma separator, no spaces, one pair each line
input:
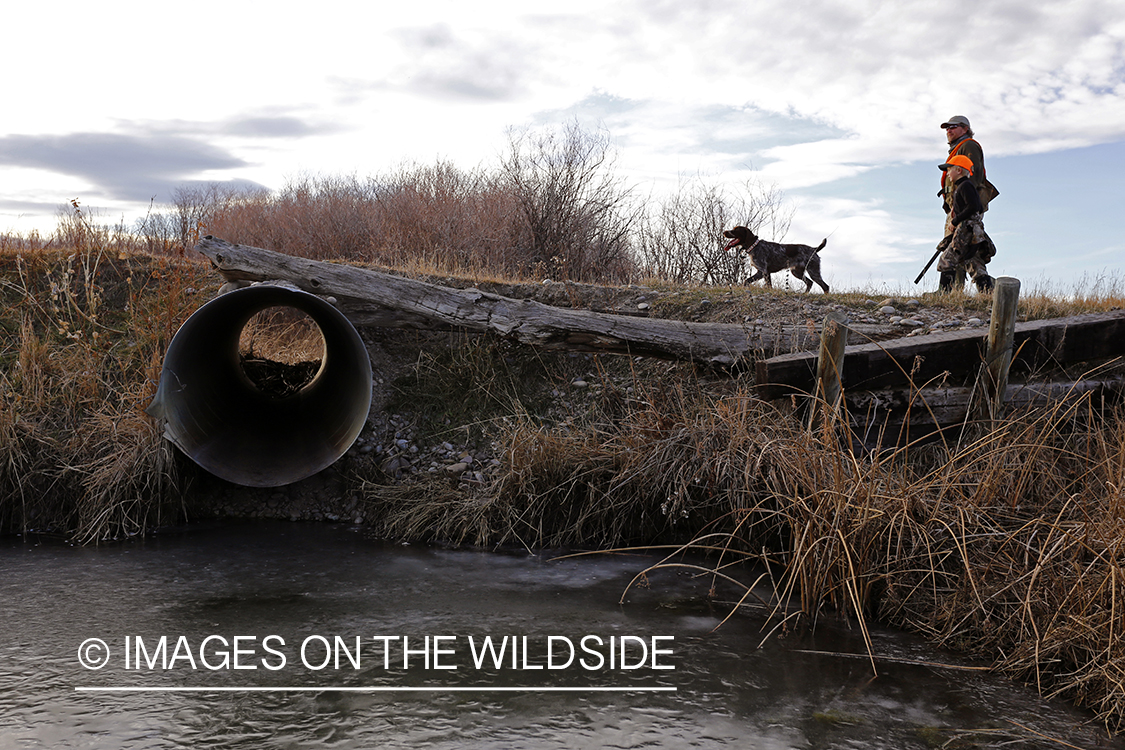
[966,248]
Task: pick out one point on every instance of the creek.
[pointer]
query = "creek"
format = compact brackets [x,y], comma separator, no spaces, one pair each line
[294,635]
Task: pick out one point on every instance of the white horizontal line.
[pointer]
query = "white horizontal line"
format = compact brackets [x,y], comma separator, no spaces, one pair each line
[373,689]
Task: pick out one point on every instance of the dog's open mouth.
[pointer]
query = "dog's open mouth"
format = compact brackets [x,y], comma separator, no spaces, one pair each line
[733,244]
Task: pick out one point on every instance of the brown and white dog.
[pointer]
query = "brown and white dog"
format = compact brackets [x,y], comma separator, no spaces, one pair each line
[770,257]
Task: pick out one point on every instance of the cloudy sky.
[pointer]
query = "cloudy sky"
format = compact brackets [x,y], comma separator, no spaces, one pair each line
[838,104]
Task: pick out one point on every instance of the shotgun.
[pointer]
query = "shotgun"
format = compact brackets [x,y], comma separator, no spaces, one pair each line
[940,249]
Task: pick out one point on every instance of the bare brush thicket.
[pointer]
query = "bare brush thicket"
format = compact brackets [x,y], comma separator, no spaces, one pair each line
[553,208]
[575,216]
[681,240]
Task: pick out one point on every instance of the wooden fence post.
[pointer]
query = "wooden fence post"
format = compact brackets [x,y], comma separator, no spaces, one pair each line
[829,365]
[1001,333]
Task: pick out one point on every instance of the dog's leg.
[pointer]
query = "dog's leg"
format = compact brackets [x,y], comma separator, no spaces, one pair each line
[799,274]
[814,273]
[757,275]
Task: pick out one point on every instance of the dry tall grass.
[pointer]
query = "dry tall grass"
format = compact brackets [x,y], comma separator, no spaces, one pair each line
[552,208]
[87,328]
[1007,544]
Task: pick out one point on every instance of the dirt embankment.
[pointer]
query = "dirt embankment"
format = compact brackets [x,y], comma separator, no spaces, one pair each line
[440,400]
[90,328]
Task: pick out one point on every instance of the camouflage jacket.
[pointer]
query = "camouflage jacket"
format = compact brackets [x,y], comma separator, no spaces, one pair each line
[965,201]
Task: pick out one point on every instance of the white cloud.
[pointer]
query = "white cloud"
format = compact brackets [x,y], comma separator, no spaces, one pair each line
[1032,77]
[863,236]
[802,92]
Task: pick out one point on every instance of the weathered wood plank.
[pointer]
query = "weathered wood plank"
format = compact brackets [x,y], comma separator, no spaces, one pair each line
[896,416]
[872,366]
[372,297]
[953,356]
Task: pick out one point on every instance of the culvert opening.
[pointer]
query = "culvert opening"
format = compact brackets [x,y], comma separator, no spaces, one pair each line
[216,411]
[280,350]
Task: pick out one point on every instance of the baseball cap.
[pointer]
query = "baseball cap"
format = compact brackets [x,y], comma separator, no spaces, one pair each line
[955,121]
[959,160]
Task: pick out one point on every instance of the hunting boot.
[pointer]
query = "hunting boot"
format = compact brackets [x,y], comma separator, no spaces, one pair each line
[945,281]
[984,283]
[959,276]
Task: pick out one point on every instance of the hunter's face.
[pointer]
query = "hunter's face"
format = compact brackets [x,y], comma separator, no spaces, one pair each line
[953,132]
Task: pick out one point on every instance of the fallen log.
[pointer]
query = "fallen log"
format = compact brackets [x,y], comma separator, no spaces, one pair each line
[369,297]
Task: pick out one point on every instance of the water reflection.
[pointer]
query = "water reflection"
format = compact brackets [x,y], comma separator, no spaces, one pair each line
[296,581]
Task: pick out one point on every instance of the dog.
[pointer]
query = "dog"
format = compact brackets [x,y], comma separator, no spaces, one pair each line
[770,257]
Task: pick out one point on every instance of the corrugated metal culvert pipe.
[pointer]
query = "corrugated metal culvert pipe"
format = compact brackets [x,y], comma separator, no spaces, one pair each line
[216,414]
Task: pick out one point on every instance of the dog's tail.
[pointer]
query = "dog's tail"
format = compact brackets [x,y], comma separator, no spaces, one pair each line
[821,245]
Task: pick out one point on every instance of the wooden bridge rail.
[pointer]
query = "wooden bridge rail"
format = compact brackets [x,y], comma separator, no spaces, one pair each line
[950,358]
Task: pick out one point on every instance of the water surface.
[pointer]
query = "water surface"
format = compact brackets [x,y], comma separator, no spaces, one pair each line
[297,584]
